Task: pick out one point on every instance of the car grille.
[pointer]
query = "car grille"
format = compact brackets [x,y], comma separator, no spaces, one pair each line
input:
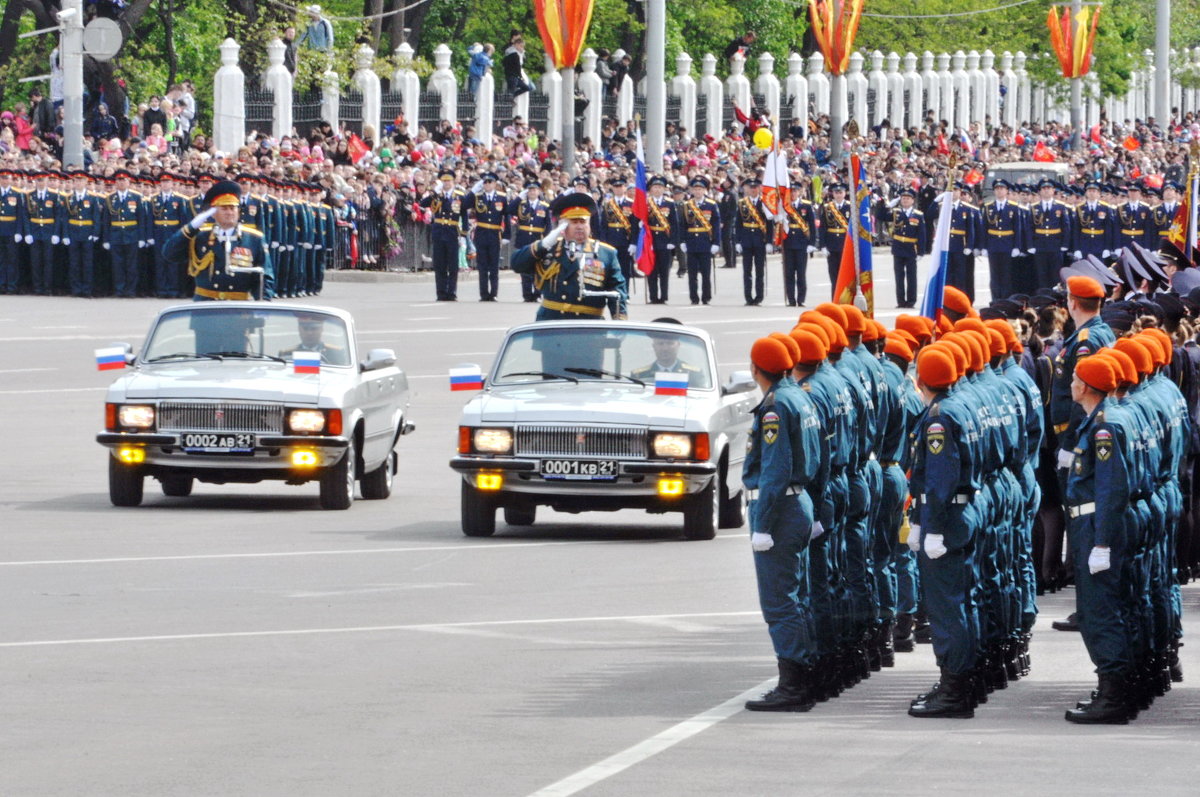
[575,440]
[220,416]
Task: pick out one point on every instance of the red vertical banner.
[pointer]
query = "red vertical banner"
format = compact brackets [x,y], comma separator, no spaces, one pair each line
[563,25]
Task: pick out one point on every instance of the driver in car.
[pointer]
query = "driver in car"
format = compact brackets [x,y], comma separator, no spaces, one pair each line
[666,358]
[312,329]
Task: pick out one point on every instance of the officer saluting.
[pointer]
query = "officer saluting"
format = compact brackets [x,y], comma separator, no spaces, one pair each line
[910,240]
[214,243]
[568,264]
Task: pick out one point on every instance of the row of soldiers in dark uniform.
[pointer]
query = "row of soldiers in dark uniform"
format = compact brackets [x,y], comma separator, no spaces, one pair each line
[898,473]
[90,235]
[1027,234]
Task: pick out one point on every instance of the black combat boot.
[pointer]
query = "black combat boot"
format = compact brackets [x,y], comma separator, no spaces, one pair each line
[871,639]
[1108,707]
[903,639]
[886,643]
[950,699]
[922,631]
[791,694]
[1173,663]
[1070,623]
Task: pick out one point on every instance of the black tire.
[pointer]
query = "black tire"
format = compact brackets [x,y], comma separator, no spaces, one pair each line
[125,483]
[377,484]
[177,486]
[520,516]
[478,513]
[337,482]
[733,508]
[700,516]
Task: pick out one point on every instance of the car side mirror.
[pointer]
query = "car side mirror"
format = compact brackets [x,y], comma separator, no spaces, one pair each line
[379,358]
[128,349]
[739,382]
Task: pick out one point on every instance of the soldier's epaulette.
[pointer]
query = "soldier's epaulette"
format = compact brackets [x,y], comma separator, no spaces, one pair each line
[1083,335]
[205,227]
[602,245]
[969,205]
[1108,205]
[935,408]
[917,213]
[250,230]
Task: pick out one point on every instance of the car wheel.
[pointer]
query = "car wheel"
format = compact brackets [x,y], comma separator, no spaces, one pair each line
[177,486]
[733,508]
[125,483]
[478,513]
[337,482]
[377,484]
[520,516]
[700,517]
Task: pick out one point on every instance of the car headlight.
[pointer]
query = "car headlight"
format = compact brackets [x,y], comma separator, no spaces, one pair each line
[493,441]
[673,446]
[306,421]
[136,416]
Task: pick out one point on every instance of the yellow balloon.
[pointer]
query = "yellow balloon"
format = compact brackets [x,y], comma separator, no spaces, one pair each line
[763,138]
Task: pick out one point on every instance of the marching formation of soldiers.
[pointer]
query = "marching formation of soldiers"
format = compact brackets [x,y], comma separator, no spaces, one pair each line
[87,235]
[897,483]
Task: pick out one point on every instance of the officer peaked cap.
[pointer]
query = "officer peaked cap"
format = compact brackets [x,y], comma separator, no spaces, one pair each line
[573,206]
[224,193]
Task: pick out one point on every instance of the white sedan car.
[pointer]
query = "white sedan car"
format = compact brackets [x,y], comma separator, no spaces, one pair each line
[592,415]
[244,392]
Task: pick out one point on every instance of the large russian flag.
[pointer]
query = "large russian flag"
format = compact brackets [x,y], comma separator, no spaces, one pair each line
[935,286]
[306,362]
[641,209]
[670,384]
[110,359]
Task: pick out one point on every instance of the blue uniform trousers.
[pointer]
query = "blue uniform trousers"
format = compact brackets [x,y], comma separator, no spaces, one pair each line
[754,266]
[946,582]
[487,263]
[783,583]
[699,271]
[905,269]
[1103,619]
[795,275]
[80,266]
[124,259]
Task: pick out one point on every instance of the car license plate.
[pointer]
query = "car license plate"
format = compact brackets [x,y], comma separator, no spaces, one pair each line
[580,469]
[211,443]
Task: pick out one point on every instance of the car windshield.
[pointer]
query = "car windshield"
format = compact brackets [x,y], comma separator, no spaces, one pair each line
[599,354]
[212,332]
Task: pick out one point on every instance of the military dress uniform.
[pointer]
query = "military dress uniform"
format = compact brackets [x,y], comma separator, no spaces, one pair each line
[1004,242]
[664,235]
[490,213]
[1163,216]
[753,231]
[1064,412]
[619,229]
[12,234]
[800,241]
[835,221]
[123,233]
[532,220]
[43,212]
[1050,238]
[964,240]
[910,240]
[701,223]
[449,211]
[169,212]
[1093,230]
[81,210]
[1135,225]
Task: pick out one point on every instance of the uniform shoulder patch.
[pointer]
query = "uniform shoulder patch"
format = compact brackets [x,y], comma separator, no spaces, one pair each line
[1103,439]
[603,245]
[770,426]
[249,231]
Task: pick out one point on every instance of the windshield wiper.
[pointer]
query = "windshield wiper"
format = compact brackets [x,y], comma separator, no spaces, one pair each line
[602,372]
[182,355]
[542,374]
[217,355]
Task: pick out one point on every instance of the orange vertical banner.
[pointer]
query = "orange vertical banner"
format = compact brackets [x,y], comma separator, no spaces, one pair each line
[563,25]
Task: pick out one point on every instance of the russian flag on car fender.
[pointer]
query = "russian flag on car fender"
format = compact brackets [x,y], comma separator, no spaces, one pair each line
[110,359]
[668,384]
[466,377]
[306,362]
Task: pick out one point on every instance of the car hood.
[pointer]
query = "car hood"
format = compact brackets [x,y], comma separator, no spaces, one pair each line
[586,402]
[257,381]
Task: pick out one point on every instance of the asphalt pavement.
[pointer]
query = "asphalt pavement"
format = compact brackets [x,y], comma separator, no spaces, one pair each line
[243,641]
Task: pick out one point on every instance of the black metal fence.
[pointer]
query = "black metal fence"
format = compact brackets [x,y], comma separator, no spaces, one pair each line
[306,111]
[350,108]
[260,109]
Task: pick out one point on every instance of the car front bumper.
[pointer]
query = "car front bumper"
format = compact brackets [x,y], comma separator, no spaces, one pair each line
[162,452]
[638,483]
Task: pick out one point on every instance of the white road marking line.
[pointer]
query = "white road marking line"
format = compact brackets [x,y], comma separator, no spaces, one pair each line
[46,390]
[681,732]
[348,552]
[364,629]
[40,338]
[73,326]
[24,370]
[432,318]
[460,354]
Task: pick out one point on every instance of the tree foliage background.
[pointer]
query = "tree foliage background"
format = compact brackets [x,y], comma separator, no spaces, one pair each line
[168,40]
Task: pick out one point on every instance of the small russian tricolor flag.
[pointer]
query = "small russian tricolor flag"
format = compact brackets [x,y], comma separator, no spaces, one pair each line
[306,362]
[466,377]
[110,359]
[667,384]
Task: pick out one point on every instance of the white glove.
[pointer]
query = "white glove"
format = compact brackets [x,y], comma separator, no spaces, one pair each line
[1078,255]
[1033,251]
[738,247]
[1016,253]
[318,247]
[17,238]
[1065,458]
[1063,248]
[670,246]
[761,542]
[1105,253]
[274,244]
[770,249]
[935,546]
[632,250]
[107,245]
[150,242]
[66,241]
[28,239]
[981,253]
[552,238]
[812,249]
[54,239]
[712,250]
[504,240]
[816,530]
[306,245]
[914,537]
[291,248]
[93,238]
[141,244]
[1099,560]
[198,222]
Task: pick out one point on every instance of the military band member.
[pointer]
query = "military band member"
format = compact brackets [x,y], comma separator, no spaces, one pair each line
[489,211]
[531,216]
[214,242]
[448,205]
[568,263]
[81,211]
[800,240]
[701,224]
[753,231]
[910,240]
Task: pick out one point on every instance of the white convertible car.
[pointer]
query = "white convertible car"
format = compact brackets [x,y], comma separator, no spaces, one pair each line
[243,392]
[594,415]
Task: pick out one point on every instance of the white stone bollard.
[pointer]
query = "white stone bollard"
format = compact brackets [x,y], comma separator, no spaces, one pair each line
[279,80]
[683,86]
[229,101]
[713,92]
[405,81]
